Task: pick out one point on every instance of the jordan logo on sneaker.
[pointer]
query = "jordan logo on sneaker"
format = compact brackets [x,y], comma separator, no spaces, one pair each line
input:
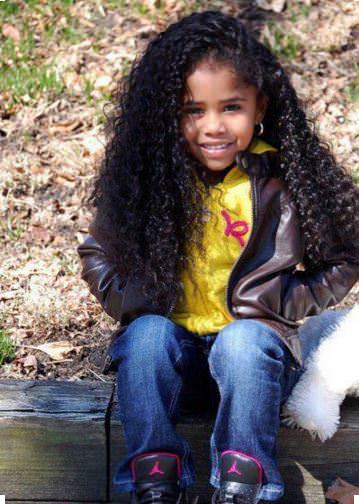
[155,469]
[231,228]
[234,469]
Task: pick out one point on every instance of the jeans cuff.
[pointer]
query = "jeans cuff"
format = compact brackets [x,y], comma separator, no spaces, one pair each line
[271,492]
[124,486]
[128,486]
[268,492]
[214,481]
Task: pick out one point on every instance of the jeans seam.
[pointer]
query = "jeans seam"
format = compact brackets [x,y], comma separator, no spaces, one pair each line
[182,345]
[185,343]
[174,399]
[214,374]
[186,455]
[216,378]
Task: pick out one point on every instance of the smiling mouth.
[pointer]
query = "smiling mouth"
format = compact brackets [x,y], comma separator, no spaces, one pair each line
[216,149]
[216,146]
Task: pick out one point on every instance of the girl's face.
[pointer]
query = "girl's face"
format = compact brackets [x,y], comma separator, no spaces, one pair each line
[219,114]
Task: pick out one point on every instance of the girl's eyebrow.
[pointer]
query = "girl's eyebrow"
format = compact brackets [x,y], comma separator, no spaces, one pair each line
[232,99]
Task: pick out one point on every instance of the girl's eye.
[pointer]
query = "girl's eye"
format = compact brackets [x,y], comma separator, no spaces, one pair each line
[192,110]
[232,107]
[197,111]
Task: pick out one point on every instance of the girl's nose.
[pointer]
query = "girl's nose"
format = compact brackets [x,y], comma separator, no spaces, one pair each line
[213,124]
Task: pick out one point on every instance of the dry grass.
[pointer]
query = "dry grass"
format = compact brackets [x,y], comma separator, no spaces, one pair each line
[51,140]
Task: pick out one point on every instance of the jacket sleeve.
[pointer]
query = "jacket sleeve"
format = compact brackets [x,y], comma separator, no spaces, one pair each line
[305,294]
[102,277]
[278,290]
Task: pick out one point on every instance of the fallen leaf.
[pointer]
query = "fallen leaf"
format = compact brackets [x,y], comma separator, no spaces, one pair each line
[11,32]
[342,492]
[92,145]
[73,81]
[29,361]
[58,240]
[65,179]
[58,349]
[37,169]
[38,234]
[151,4]
[103,81]
[112,20]
[68,176]
[8,294]
[273,5]
[64,127]
[146,31]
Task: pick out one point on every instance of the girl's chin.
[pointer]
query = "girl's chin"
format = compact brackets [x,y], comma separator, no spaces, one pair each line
[218,161]
[218,165]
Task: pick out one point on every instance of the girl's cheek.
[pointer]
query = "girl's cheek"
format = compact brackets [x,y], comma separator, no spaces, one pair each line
[188,129]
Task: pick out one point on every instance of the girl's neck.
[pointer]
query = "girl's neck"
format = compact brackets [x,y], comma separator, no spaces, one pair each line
[214,177]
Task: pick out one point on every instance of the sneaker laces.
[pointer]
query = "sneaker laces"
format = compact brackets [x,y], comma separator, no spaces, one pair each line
[161,494]
[227,498]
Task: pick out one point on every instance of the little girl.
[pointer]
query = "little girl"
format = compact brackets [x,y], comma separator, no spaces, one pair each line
[221,220]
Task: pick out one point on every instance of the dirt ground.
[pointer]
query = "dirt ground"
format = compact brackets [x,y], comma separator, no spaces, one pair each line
[50,148]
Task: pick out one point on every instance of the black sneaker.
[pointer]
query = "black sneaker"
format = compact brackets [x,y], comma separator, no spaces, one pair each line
[240,479]
[156,476]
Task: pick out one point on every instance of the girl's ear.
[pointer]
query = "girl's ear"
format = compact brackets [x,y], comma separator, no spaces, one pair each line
[262,103]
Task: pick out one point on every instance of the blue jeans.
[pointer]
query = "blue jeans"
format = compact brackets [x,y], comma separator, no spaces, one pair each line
[247,369]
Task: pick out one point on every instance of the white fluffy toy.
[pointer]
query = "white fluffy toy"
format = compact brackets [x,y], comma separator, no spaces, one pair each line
[331,373]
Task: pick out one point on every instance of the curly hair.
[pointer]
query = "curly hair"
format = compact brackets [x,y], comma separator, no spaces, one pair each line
[148,205]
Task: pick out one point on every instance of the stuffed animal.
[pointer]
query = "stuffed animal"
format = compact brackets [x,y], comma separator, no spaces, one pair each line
[331,373]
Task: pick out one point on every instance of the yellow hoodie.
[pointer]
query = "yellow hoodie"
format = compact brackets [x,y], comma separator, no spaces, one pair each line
[226,231]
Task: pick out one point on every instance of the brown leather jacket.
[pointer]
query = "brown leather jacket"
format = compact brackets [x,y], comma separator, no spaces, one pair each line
[266,282]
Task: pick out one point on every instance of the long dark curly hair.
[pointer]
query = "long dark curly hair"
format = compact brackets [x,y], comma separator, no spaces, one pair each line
[148,205]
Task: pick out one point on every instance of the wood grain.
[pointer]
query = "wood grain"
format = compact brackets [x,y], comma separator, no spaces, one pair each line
[62,441]
[53,440]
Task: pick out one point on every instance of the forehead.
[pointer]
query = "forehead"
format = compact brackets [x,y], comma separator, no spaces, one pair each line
[212,79]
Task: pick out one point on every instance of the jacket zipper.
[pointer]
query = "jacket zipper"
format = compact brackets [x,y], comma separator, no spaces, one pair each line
[254,214]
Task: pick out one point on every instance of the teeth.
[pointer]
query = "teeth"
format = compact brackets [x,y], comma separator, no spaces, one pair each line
[215,147]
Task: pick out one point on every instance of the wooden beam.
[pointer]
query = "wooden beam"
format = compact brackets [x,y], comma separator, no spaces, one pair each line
[62,440]
[308,467]
[53,440]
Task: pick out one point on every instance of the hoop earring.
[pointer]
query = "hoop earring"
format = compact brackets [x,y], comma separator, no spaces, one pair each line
[261,129]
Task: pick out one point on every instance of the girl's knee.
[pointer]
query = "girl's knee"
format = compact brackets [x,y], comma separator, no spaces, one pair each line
[147,327]
[246,341]
[148,338]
